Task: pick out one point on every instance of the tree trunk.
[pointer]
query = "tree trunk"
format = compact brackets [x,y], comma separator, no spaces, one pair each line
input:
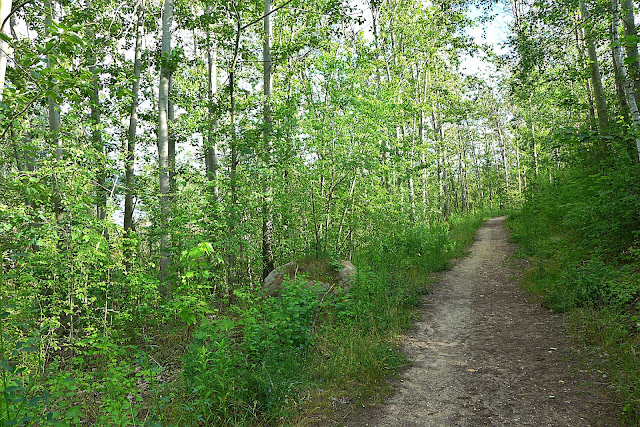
[633,107]
[534,142]
[54,128]
[96,133]
[503,150]
[630,31]
[54,108]
[211,150]
[267,190]
[580,47]
[171,159]
[163,138]
[232,216]
[519,168]
[5,9]
[619,83]
[596,78]
[133,125]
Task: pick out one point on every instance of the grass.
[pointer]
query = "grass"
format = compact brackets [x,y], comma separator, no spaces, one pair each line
[598,287]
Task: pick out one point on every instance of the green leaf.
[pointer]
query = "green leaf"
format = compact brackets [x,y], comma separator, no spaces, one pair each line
[74,38]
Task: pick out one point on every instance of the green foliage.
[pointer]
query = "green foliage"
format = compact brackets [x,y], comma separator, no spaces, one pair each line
[346,173]
[256,362]
[236,370]
[584,260]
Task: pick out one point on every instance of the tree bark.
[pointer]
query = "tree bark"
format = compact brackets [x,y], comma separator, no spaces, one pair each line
[96,133]
[211,150]
[580,47]
[54,129]
[596,77]
[163,137]
[54,108]
[171,159]
[5,9]
[631,32]
[619,83]
[233,164]
[133,125]
[267,190]
[628,86]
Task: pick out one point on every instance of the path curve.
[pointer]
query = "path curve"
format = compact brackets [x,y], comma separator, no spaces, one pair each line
[483,354]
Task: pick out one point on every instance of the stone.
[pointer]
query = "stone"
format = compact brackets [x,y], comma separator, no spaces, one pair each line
[316,271]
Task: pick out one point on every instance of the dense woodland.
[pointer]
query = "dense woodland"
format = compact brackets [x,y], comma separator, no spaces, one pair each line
[159,158]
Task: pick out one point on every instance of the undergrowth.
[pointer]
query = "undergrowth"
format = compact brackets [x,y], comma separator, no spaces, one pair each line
[292,358]
[581,236]
[263,360]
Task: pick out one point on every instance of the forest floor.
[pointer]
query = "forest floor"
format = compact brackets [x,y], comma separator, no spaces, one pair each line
[486,353]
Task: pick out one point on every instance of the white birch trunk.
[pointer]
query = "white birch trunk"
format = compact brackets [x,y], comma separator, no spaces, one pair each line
[133,123]
[596,76]
[163,136]
[54,108]
[628,84]
[267,214]
[5,9]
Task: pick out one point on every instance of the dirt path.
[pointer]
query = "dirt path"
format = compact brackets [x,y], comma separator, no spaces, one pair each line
[485,355]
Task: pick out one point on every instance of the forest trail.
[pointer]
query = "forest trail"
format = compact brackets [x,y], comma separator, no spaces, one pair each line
[483,354]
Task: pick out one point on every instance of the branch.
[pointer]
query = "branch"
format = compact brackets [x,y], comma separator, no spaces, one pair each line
[15,116]
[11,13]
[264,16]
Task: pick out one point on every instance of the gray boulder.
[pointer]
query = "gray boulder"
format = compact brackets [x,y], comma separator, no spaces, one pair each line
[315,271]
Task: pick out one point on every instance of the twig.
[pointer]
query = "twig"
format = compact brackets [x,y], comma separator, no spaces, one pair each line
[264,16]
[11,13]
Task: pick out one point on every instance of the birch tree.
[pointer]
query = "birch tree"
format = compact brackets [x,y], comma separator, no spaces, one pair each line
[163,131]
[133,122]
[628,84]
[5,9]
[267,214]
[594,67]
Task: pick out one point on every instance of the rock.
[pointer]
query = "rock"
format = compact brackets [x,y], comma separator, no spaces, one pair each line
[347,271]
[315,271]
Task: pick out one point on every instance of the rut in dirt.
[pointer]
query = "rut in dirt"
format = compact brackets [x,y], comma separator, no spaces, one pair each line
[483,354]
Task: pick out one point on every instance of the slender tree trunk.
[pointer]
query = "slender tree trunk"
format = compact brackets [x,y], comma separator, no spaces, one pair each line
[233,216]
[5,9]
[163,138]
[596,78]
[534,142]
[631,32]
[54,108]
[519,167]
[487,167]
[412,194]
[211,150]
[503,151]
[171,159]
[619,83]
[133,125]
[54,126]
[442,167]
[628,86]
[96,133]
[580,47]
[267,201]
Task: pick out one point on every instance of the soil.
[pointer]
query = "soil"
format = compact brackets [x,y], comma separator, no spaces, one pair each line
[486,353]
